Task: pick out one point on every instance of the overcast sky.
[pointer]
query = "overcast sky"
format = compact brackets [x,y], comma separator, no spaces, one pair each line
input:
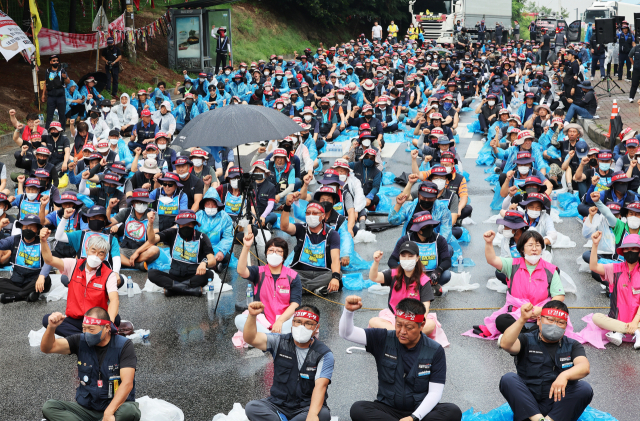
[570,5]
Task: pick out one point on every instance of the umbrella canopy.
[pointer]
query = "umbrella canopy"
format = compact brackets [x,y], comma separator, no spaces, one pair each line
[100,77]
[235,125]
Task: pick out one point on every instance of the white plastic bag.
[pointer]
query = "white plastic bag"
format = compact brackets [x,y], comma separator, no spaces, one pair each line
[495,285]
[563,242]
[379,289]
[57,291]
[123,289]
[151,287]
[567,283]
[236,414]
[459,282]
[364,237]
[555,216]
[492,220]
[582,265]
[468,221]
[158,410]
[35,337]
[497,240]
[138,335]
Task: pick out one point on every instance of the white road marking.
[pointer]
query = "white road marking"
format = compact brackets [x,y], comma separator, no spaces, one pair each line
[474,148]
[389,149]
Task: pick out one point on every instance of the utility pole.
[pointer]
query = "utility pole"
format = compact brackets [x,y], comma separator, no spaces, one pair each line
[130,49]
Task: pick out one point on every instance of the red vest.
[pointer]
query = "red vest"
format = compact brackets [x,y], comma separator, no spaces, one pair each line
[83,296]
[26,133]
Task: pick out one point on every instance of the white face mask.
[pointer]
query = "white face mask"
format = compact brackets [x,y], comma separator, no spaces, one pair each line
[140,207]
[408,264]
[633,222]
[440,183]
[307,117]
[266,73]
[533,214]
[279,106]
[508,234]
[197,162]
[162,146]
[1,211]
[366,143]
[301,334]
[93,261]
[32,196]
[113,141]
[332,103]
[274,259]
[183,176]
[491,103]
[523,170]
[342,177]
[106,109]
[449,169]
[532,259]
[211,211]
[313,220]
[152,156]
[165,199]
[340,97]
[234,184]
[227,72]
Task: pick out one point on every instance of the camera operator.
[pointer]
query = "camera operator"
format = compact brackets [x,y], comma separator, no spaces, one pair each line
[111,56]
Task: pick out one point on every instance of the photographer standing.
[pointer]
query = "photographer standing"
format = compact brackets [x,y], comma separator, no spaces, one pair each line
[111,56]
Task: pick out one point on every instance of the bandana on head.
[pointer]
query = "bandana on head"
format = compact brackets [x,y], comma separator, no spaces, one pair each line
[418,318]
[316,206]
[554,312]
[95,322]
[307,315]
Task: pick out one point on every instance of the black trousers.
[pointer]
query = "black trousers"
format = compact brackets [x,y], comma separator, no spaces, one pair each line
[220,59]
[112,79]
[59,103]
[480,37]
[622,59]
[76,109]
[377,411]
[635,81]
[484,124]
[165,280]
[504,322]
[544,55]
[524,404]
[22,291]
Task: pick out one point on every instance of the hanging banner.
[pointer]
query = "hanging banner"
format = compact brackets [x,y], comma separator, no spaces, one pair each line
[12,39]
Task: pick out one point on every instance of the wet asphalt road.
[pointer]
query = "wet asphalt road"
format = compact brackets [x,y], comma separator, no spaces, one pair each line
[191,362]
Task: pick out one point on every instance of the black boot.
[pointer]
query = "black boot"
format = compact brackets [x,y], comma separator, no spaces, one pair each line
[33,297]
[183,288]
[8,298]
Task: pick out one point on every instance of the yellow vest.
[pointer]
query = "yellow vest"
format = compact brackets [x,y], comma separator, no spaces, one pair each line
[393,30]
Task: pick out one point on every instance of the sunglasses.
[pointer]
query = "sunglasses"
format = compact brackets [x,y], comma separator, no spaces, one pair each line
[167,184]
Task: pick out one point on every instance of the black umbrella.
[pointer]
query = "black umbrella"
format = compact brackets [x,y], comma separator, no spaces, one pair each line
[236,125]
[100,77]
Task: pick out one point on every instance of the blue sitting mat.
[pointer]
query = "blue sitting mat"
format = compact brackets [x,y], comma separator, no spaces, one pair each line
[277,223]
[485,155]
[496,203]
[466,109]
[398,137]
[465,238]
[388,178]
[456,138]
[356,263]
[387,196]
[457,250]
[504,413]
[569,203]
[493,179]
[474,127]
[413,112]
[355,282]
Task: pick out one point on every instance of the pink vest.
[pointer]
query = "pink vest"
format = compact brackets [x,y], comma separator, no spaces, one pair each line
[414,292]
[625,293]
[534,287]
[274,295]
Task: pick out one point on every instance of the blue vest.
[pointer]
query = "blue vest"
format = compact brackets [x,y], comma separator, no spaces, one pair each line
[292,388]
[393,385]
[184,255]
[88,394]
[531,368]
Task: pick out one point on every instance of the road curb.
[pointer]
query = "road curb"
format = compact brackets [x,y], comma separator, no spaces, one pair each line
[596,134]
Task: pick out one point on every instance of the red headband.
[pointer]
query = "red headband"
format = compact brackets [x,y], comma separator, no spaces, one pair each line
[418,318]
[554,312]
[95,322]
[315,206]
[307,315]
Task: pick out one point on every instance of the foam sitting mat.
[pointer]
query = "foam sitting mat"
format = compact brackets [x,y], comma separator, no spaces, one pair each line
[504,413]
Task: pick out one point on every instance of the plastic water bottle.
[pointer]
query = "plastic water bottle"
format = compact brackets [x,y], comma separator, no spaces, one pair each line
[460,263]
[210,290]
[129,287]
[249,294]
[554,199]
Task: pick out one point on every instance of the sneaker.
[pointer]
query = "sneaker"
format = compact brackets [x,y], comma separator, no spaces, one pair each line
[321,291]
[636,345]
[615,338]
[627,80]
[630,100]
[437,290]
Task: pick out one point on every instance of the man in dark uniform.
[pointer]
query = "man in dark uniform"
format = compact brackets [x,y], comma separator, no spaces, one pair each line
[106,371]
[482,29]
[597,56]
[626,41]
[532,31]
[223,47]
[302,368]
[545,48]
[498,33]
[111,57]
[55,77]
[548,365]
[412,368]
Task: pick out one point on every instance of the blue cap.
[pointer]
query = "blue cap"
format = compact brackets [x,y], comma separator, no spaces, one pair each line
[582,149]
[29,220]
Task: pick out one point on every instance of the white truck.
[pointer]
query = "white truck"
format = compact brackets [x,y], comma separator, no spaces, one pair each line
[609,9]
[438,20]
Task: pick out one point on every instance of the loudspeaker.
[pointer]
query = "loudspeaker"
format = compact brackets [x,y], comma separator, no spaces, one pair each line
[636,24]
[605,31]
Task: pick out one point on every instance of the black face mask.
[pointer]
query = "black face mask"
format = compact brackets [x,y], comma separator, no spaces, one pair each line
[97,225]
[328,206]
[29,235]
[36,145]
[593,162]
[186,233]
[631,256]
[109,190]
[426,205]
[54,65]
[42,161]
[427,231]
[621,188]
[368,116]
[94,115]
[324,107]
[55,134]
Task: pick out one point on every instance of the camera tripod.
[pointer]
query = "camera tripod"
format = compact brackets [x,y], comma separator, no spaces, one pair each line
[245,213]
[609,87]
